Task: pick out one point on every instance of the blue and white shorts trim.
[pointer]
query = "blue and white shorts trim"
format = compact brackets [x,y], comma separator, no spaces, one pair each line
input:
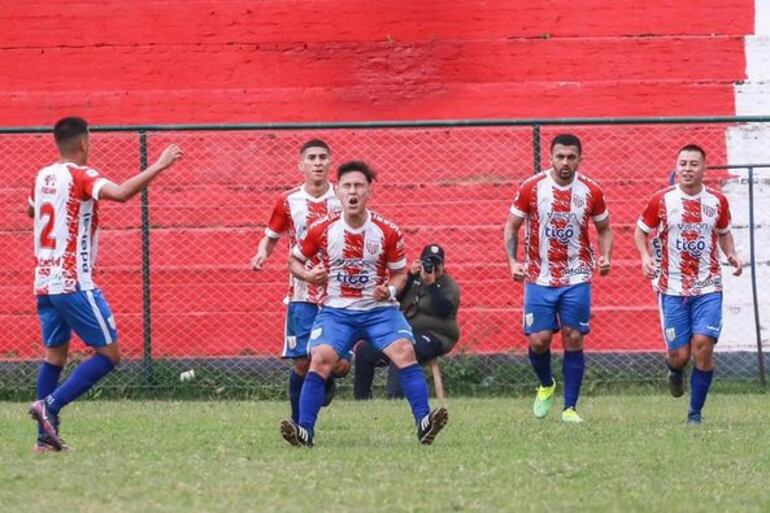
[550,308]
[682,317]
[299,321]
[85,312]
[342,328]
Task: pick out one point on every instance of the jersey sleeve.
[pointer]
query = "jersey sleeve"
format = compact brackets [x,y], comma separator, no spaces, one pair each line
[280,220]
[651,216]
[521,202]
[395,250]
[723,221]
[311,244]
[88,183]
[599,211]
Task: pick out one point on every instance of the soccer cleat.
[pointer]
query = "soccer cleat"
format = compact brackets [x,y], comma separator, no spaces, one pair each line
[295,434]
[676,383]
[571,416]
[694,418]
[431,424]
[544,400]
[46,421]
[43,444]
[330,390]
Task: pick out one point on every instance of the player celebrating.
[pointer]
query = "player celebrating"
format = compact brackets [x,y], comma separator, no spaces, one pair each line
[359,250]
[691,221]
[64,205]
[292,214]
[557,205]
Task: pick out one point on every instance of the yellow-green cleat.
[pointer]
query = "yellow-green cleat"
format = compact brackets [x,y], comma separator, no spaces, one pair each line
[571,416]
[544,400]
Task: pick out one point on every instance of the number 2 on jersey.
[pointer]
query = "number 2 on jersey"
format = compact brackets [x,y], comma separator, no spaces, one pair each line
[47,211]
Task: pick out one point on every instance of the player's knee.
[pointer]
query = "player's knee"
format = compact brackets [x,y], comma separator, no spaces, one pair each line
[572,339]
[301,366]
[678,358]
[402,354]
[539,344]
[341,368]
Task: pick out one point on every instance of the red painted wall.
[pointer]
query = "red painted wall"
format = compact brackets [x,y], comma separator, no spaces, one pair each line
[117,62]
[239,61]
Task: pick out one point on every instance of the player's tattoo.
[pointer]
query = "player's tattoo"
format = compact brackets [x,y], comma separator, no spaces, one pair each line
[512,245]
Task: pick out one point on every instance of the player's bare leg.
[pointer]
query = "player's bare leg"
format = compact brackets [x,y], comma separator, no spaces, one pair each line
[540,358]
[703,372]
[676,361]
[573,369]
[429,423]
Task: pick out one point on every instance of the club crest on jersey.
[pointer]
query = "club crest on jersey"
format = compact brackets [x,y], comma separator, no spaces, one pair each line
[578,201]
[373,247]
[708,210]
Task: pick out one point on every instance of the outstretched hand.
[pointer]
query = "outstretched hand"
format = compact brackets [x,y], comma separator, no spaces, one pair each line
[737,264]
[170,154]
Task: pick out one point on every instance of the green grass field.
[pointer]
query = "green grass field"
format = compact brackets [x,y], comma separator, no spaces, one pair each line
[633,454]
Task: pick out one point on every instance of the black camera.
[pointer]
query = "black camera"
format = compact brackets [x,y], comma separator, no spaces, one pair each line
[429,264]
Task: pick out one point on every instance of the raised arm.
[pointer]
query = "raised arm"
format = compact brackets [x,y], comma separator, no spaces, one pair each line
[129,188]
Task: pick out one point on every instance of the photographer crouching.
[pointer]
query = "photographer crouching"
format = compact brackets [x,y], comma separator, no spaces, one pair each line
[429,302]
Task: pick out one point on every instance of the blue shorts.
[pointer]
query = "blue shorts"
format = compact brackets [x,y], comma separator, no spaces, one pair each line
[85,312]
[549,308]
[342,328]
[681,317]
[300,317]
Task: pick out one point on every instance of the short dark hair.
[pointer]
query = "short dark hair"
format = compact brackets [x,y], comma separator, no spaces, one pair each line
[357,165]
[314,143]
[693,147]
[68,130]
[567,140]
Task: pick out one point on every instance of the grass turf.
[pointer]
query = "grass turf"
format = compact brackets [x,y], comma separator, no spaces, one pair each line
[634,453]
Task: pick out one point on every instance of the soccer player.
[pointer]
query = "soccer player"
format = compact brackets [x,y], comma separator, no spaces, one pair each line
[557,205]
[691,221]
[292,214]
[362,269]
[64,205]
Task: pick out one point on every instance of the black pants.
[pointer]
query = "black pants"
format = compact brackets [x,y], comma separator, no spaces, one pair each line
[368,358]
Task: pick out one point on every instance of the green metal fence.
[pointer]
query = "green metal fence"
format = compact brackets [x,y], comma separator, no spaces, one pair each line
[175,263]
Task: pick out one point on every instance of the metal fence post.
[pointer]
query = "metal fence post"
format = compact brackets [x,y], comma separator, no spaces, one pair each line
[536,148]
[146,301]
[755,298]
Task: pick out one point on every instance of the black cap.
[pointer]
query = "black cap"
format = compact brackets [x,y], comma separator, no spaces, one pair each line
[432,252]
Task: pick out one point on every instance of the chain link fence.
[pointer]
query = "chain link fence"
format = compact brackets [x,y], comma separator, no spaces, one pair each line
[174,264]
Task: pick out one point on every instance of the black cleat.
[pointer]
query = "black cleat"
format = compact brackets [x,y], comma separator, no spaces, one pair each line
[295,434]
[431,424]
[676,383]
[48,424]
[330,390]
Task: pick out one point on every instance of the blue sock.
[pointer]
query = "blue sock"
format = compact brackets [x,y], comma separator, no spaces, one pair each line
[47,381]
[311,399]
[85,375]
[542,365]
[573,368]
[295,390]
[700,382]
[416,390]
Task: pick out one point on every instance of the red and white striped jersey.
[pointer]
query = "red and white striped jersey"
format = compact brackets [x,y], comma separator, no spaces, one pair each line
[64,197]
[558,252]
[358,259]
[294,211]
[688,228]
